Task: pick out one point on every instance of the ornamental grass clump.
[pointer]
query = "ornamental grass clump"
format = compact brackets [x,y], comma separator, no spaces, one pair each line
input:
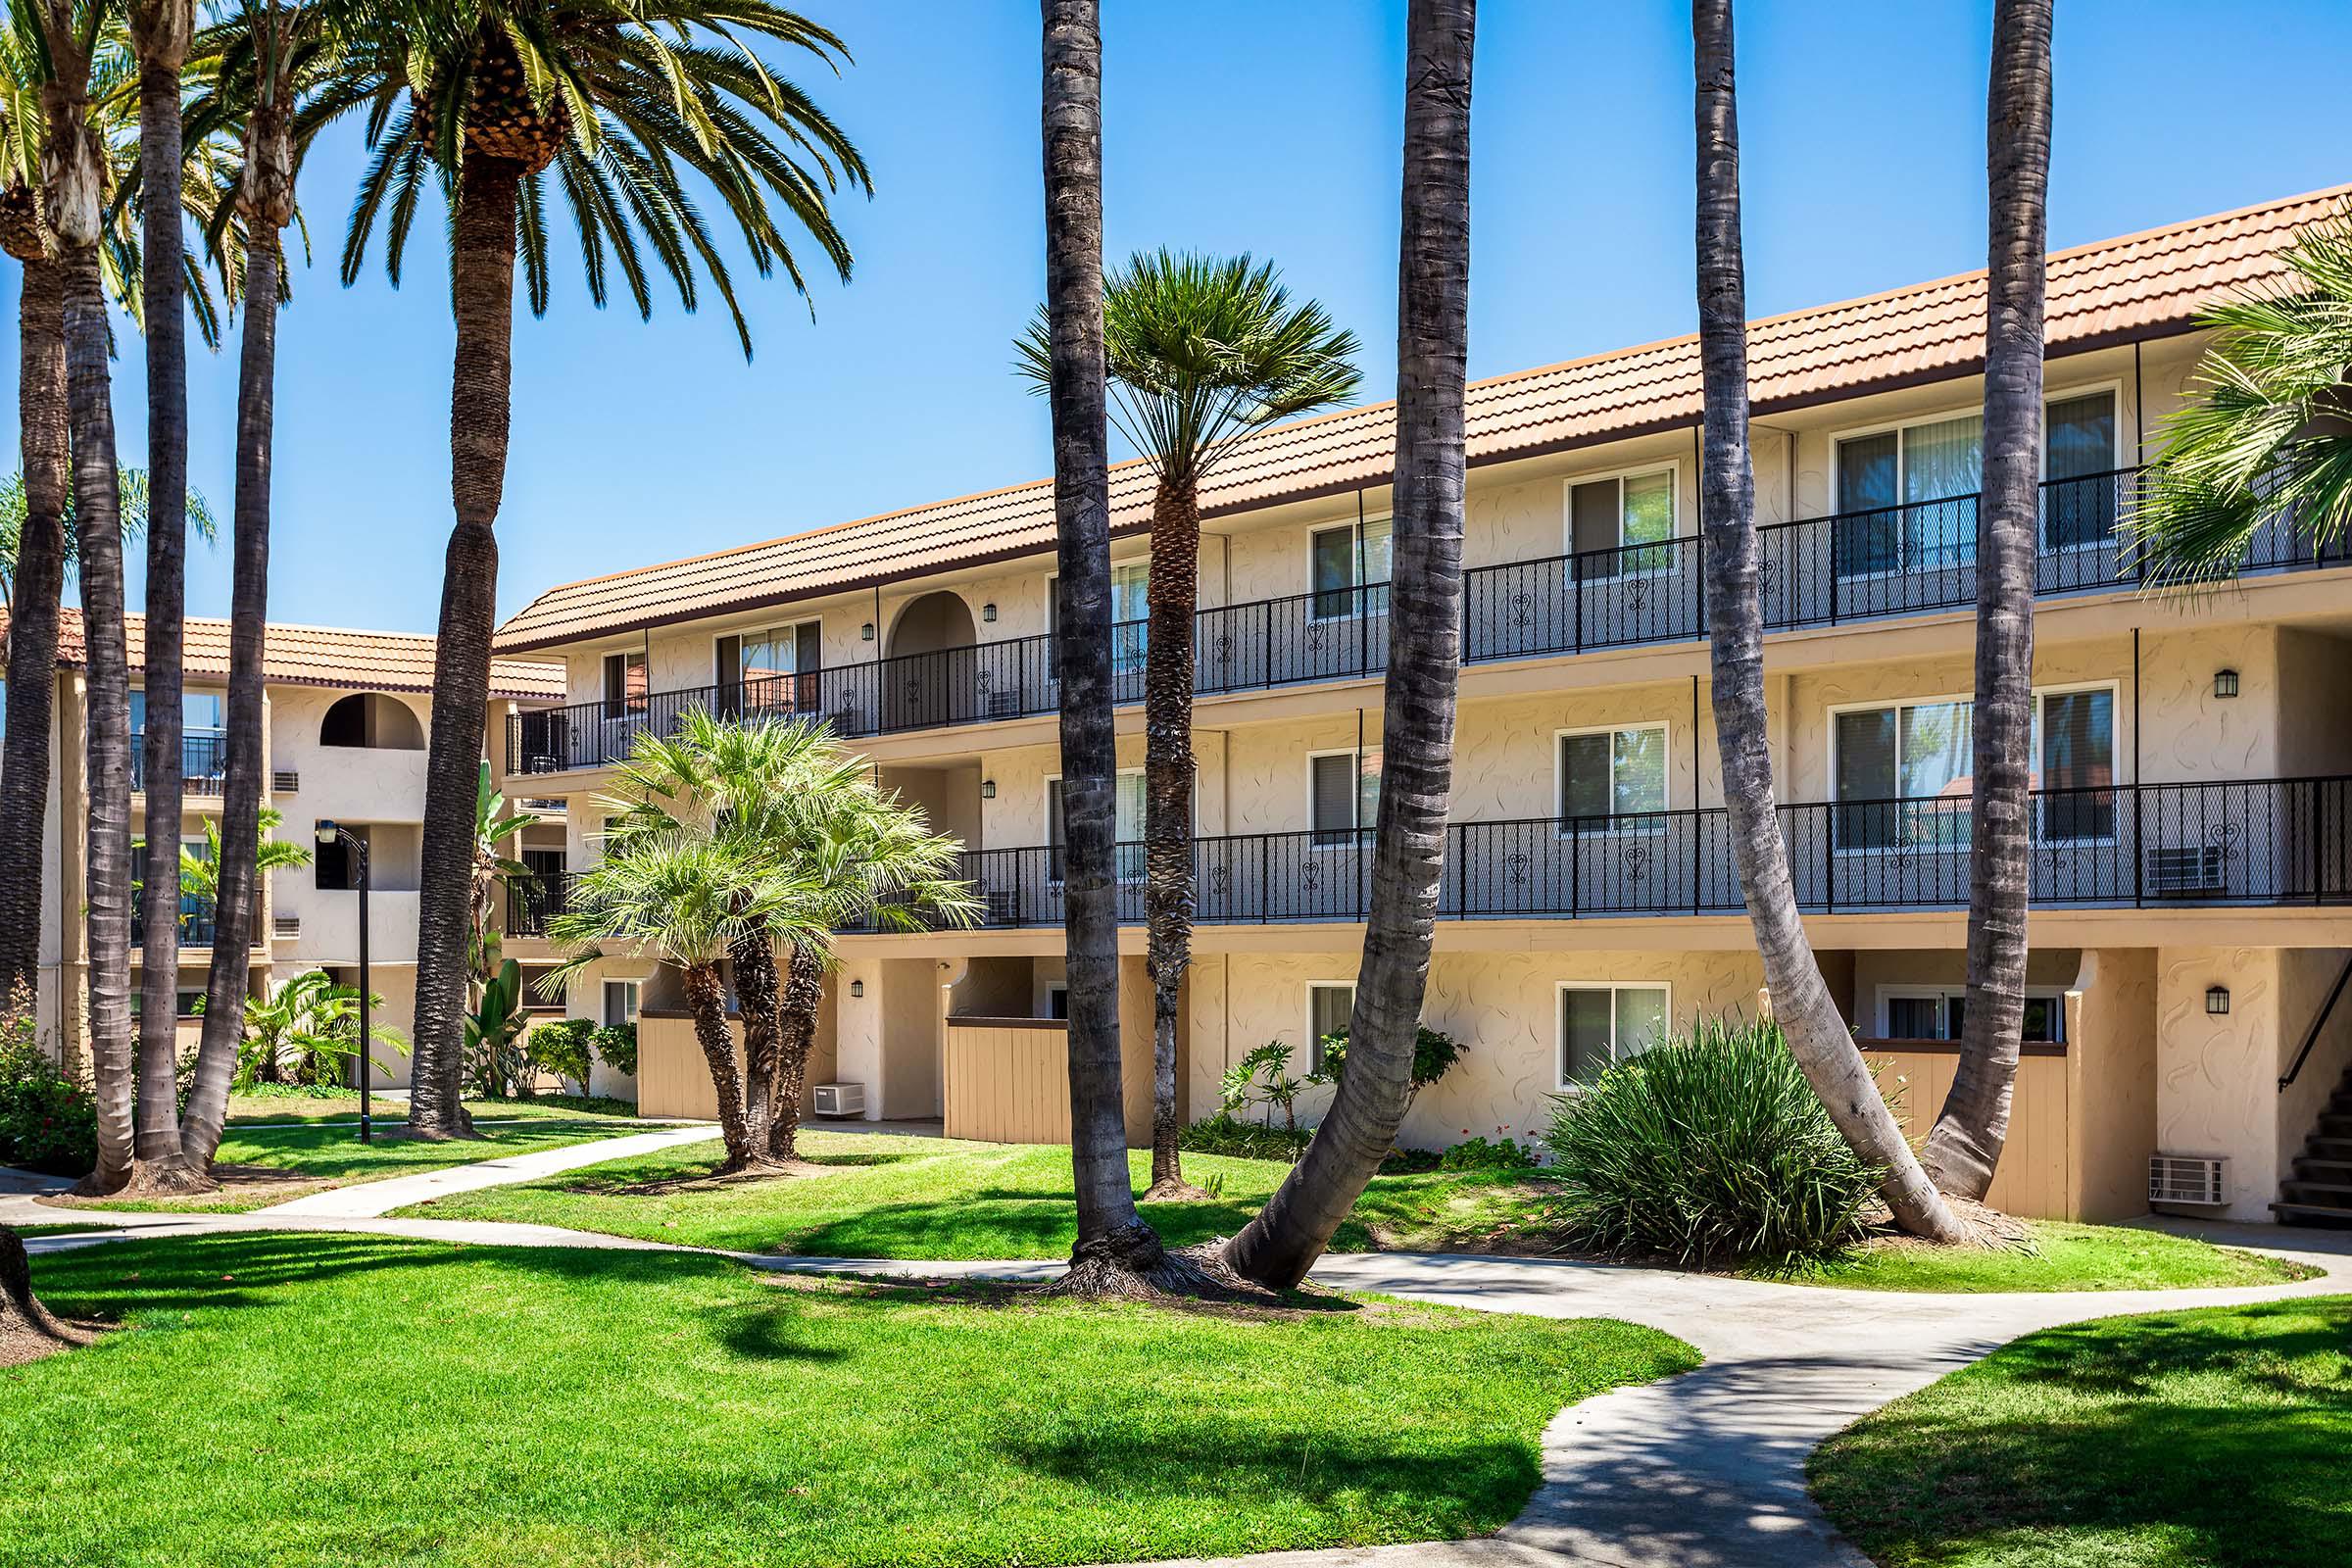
[1709,1149]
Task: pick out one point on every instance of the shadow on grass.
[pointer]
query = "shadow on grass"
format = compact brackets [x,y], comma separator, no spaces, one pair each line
[2203,1438]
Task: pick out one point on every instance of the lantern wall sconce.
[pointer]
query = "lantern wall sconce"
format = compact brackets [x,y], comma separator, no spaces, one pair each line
[857,988]
[987,613]
[2217,1000]
[866,633]
[2225,684]
[988,789]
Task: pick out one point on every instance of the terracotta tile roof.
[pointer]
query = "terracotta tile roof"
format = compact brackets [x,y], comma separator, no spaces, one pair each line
[321,656]
[2140,286]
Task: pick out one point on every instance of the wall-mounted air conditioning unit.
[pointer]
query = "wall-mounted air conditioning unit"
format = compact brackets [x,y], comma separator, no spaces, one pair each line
[2190,870]
[286,926]
[840,1100]
[285,781]
[2191,1179]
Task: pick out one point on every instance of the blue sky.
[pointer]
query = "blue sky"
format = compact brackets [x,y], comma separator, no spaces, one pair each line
[1232,124]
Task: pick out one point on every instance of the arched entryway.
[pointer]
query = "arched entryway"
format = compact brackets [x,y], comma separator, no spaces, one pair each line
[373,719]
[931,677]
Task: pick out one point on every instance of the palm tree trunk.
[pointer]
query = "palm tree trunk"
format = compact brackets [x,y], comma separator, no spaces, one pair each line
[33,619]
[803,994]
[107,896]
[1112,1240]
[1424,650]
[1800,998]
[707,999]
[20,1311]
[758,995]
[159,32]
[1168,893]
[237,903]
[482,290]
[1965,1145]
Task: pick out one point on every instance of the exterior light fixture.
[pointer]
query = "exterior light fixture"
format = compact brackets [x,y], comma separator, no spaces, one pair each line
[866,633]
[2225,684]
[988,789]
[988,611]
[857,988]
[2217,1000]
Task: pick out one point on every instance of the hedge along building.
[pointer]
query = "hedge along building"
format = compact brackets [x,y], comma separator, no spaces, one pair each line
[347,716]
[2192,867]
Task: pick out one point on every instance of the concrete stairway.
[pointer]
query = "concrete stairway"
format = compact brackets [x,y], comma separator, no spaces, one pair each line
[2320,1191]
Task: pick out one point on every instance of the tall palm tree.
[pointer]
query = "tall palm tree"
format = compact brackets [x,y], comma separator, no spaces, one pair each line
[74,186]
[1800,998]
[1114,1247]
[1425,652]
[789,795]
[2263,442]
[1201,352]
[159,32]
[616,98]
[1965,1144]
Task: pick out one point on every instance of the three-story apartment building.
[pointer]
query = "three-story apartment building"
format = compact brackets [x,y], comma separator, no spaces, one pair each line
[347,716]
[2192,860]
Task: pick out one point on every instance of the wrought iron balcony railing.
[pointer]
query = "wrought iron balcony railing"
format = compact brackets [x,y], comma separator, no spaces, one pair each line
[196,924]
[2253,842]
[203,762]
[534,900]
[1858,565]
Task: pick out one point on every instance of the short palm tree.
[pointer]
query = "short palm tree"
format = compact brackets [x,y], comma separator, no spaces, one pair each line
[790,796]
[613,103]
[2263,440]
[1202,351]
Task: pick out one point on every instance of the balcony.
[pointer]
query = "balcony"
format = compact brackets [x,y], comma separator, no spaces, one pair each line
[2151,846]
[533,902]
[203,762]
[196,924]
[1825,572]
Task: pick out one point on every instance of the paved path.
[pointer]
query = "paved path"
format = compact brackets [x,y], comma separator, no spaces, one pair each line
[1706,1470]
[365,1199]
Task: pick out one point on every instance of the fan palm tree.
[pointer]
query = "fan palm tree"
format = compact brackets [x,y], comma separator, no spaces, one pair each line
[2263,441]
[1800,998]
[791,794]
[1965,1145]
[1114,1247]
[1201,352]
[1425,652]
[616,100]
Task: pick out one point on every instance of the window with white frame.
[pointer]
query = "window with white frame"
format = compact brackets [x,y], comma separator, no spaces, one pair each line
[1127,807]
[1342,795]
[1347,567]
[1329,1003]
[1605,1022]
[1609,774]
[1608,515]
[1902,771]
[1940,1012]
[620,1002]
[1906,494]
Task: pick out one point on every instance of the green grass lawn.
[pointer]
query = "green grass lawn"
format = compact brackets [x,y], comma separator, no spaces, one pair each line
[349,1399]
[273,1163]
[278,1110]
[894,1197]
[2183,1439]
[2063,1257]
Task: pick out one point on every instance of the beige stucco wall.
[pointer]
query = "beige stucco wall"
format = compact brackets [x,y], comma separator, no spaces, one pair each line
[2217,1076]
[1503,1009]
[2112,1088]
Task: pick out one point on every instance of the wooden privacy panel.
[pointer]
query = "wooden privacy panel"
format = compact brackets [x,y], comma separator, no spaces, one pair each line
[672,1078]
[1008,1080]
[2032,1180]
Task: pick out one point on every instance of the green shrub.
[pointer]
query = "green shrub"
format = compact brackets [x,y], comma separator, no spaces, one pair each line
[48,1122]
[1477,1153]
[1434,1055]
[1709,1149]
[560,1045]
[1227,1134]
[616,1046]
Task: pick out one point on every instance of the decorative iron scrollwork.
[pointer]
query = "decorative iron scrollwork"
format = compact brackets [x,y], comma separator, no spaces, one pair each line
[1514,867]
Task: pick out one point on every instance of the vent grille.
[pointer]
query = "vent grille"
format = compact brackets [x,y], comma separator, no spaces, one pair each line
[284,781]
[285,925]
[2185,1179]
[2193,869]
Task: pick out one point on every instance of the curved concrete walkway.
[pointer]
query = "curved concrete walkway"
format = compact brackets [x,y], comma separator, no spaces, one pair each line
[1706,1470]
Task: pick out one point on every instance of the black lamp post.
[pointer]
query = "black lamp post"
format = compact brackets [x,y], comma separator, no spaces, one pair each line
[327,832]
